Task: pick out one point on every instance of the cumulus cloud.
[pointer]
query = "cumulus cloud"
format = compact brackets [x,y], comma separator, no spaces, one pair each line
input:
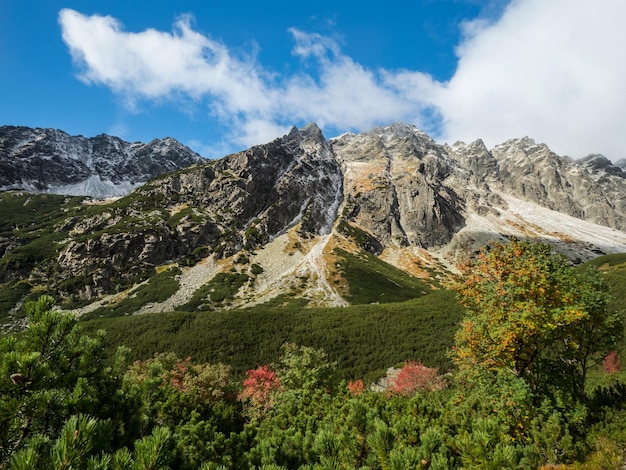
[154,64]
[159,65]
[551,70]
[345,94]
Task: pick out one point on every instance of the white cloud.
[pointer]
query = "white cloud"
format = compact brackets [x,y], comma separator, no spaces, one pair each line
[312,44]
[553,70]
[345,95]
[153,64]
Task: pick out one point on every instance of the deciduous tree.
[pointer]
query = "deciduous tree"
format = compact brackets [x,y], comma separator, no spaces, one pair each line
[529,313]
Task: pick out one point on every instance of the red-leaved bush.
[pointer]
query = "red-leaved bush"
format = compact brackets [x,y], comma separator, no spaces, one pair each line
[414,376]
[178,375]
[611,363]
[259,389]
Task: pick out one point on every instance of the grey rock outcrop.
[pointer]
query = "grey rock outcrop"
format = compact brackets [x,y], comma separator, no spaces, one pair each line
[395,186]
[592,189]
[481,165]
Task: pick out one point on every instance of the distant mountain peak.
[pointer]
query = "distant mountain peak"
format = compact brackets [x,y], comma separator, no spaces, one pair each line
[52,161]
[599,163]
[312,132]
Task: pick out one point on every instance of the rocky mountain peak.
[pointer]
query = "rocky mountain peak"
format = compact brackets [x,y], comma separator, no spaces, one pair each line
[477,159]
[523,144]
[393,186]
[477,146]
[309,137]
[52,161]
[600,164]
[586,189]
[311,132]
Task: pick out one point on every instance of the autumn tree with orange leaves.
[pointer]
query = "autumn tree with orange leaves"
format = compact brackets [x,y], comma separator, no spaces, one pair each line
[531,314]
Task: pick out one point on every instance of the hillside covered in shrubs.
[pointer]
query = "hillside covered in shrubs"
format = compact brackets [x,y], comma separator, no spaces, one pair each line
[527,375]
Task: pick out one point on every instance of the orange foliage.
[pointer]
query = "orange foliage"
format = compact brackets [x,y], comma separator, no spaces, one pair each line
[521,298]
[356,387]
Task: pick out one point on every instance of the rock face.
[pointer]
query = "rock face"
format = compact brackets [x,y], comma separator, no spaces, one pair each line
[51,161]
[590,189]
[395,186]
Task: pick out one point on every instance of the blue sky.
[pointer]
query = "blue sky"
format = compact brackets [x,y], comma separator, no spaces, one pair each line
[221,76]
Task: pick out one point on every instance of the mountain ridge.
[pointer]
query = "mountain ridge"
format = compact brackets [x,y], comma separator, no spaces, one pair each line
[308,217]
[52,161]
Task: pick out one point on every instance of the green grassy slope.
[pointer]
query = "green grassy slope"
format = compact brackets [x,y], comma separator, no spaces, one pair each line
[371,280]
[363,339]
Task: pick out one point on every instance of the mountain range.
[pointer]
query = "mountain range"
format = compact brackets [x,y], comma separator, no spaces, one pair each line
[302,217]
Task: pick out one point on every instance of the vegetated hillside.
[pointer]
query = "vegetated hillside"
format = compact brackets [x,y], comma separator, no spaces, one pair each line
[29,243]
[381,216]
[364,340]
[294,408]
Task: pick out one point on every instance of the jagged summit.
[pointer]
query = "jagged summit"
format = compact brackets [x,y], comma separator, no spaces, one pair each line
[52,161]
[312,132]
[596,163]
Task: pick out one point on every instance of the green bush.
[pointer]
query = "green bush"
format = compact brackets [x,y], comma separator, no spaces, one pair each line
[256,269]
